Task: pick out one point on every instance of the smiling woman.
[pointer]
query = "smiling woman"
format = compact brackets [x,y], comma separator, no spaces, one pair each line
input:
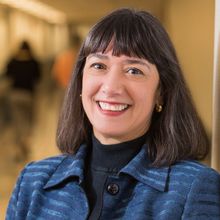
[129,134]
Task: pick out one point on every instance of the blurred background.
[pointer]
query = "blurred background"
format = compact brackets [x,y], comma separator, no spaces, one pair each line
[39,41]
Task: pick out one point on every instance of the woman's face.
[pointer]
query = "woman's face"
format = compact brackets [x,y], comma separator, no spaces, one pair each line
[119,95]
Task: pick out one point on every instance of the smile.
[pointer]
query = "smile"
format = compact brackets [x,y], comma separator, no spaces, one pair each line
[112,107]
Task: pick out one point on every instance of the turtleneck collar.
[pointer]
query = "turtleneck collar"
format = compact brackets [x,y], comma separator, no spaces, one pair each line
[115,156]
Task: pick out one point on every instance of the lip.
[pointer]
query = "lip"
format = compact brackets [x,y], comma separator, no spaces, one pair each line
[112,102]
[110,112]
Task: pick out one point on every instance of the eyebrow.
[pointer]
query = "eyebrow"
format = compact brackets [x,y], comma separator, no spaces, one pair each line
[100,56]
[135,61]
[127,61]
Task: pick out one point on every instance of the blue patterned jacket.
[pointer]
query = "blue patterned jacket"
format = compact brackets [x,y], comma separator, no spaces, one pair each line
[52,189]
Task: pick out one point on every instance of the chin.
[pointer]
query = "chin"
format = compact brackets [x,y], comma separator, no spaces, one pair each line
[110,136]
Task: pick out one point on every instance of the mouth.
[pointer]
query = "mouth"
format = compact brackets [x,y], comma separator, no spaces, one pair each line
[114,107]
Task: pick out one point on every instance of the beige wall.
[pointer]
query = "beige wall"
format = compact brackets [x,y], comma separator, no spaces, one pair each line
[191,26]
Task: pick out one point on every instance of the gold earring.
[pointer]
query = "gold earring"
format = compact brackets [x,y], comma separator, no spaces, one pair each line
[159,108]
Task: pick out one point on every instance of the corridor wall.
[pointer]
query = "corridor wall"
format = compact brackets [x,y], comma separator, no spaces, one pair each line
[191,26]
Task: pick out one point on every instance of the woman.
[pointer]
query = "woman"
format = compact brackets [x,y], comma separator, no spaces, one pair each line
[129,133]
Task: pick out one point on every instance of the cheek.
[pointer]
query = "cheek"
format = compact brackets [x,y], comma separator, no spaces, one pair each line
[145,92]
[86,85]
[147,98]
[90,86]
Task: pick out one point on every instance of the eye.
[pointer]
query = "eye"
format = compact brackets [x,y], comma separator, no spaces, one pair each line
[98,66]
[135,71]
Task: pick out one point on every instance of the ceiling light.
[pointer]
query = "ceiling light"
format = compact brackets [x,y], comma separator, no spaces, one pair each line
[37,9]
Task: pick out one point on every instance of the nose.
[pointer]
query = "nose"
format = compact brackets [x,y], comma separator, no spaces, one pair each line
[113,83]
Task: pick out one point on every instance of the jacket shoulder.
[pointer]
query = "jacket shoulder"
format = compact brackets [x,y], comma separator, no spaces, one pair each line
[193,167]
[31,179]
[202,185]
[190,171]
[40,171]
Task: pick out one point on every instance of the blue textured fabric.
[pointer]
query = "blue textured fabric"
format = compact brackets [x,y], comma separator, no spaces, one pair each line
[51,189]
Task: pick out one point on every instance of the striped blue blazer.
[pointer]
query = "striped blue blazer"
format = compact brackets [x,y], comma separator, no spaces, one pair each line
[52,189]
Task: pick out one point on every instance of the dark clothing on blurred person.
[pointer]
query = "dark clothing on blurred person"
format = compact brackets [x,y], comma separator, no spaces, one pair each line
[24,73]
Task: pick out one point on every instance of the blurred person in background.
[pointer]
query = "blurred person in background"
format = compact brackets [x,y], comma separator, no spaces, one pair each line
[64,63]
[23,70]
[129,133]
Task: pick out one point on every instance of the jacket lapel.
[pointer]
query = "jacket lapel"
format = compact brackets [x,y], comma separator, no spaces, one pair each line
[140,169]
[71,166]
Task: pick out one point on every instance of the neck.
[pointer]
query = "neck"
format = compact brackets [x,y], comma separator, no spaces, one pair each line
[115,156]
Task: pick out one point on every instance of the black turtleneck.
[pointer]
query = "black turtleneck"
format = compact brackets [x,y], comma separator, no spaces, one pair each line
[104,161]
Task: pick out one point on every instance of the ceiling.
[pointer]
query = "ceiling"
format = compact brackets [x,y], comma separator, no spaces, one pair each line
[88,11]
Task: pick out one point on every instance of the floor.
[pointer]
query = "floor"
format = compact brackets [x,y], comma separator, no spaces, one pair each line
[41,144]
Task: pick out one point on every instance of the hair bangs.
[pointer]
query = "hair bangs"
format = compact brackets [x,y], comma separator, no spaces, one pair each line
[123,38]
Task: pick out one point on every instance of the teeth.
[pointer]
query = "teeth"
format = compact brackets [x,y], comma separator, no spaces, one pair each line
[111,107]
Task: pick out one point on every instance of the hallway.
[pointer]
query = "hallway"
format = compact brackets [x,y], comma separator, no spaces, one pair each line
[42,143]
[196,38]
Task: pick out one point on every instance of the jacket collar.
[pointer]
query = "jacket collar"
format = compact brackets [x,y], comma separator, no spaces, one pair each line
[71,166]
[138,168]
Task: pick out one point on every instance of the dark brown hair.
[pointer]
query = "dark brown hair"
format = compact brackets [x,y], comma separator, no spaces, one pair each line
[176,133]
